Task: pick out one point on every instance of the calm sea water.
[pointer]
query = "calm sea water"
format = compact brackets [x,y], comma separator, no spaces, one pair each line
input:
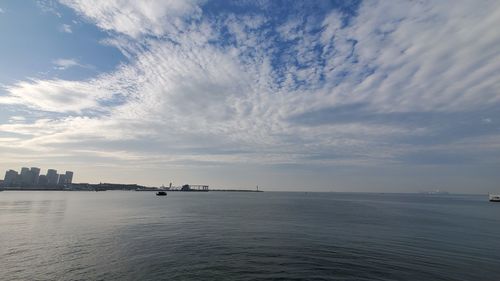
[247,236]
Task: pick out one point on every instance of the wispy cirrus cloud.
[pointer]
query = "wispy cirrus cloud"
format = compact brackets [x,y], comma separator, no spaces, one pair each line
[62,64]
[65,63]
[66,28]
[55,95]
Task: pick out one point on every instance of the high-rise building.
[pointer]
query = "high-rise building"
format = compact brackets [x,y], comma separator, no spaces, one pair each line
[62,179]
[42,180]
[10,178]
[25,176]
[69,177]
[35,173]
[52,177]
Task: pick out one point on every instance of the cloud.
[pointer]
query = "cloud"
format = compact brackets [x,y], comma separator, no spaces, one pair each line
[376,86]
[17,119]
[66,28]
[63,64]
[135,18]
[1,11]
[430,58]
[49,7]
[55,95]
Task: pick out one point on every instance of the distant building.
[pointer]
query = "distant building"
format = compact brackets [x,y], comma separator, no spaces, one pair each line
[25,176]
[35,173]
[31,178]
[69,177]
[52,177]
[42,180]
[62,179]
[10,178]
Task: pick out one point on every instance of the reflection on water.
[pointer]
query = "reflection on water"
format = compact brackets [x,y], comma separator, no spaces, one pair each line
[33,207]
[247,236]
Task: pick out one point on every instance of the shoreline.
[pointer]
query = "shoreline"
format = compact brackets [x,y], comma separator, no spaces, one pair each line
[145,190]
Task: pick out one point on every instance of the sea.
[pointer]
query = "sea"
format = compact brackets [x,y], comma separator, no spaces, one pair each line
[128,235]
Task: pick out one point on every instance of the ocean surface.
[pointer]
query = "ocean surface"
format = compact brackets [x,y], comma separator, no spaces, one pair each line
[127,235]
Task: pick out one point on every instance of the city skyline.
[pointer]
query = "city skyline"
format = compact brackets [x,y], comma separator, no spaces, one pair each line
[31,177]
[375,96]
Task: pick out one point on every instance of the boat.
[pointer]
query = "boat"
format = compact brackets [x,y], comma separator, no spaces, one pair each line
[161,193]
[494,198]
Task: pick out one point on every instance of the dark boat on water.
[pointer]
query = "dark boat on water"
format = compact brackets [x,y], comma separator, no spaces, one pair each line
[161,193]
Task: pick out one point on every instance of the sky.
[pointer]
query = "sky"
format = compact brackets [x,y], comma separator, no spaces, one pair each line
[373,96]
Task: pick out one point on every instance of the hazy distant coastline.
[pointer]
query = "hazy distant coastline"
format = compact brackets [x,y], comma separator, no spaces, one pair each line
[117,186]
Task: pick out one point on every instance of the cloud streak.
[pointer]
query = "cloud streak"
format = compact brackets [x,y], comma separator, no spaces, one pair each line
[66,28]
[63,64]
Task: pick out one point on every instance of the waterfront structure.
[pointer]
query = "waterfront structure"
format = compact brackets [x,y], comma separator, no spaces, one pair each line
[52,177]
[69,177]
[62,180]
[30,178]
[194,187]
[10,178]
[42,180]
[35,173]
[25,176]
[65,179]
